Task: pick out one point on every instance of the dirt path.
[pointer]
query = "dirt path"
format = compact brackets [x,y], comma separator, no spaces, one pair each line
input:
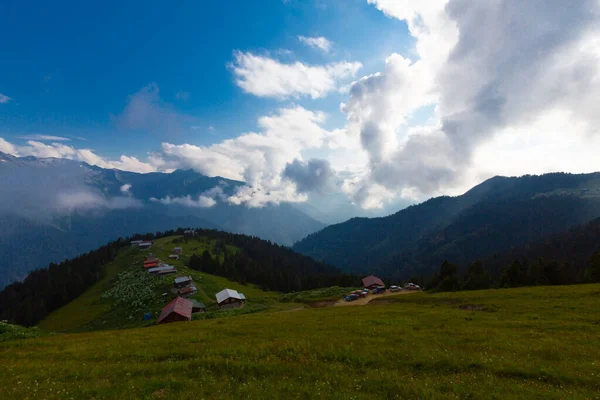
[366,300]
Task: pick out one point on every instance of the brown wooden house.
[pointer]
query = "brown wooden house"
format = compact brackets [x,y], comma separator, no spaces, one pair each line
[178,310]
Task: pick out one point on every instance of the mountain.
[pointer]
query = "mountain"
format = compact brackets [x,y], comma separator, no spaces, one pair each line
[52,209]
[494,216]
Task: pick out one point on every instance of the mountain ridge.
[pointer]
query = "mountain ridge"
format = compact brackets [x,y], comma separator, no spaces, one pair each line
[417,239]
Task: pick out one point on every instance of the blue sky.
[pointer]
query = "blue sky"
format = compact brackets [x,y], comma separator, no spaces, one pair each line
[72,66]
[351,107]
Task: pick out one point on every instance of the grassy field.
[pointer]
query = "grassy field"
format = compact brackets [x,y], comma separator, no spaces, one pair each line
[512,343]
[93,312]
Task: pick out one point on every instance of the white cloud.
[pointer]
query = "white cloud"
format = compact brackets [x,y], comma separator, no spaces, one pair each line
[8,148]
[126,189]
[187,201]
[496,71]
[266,77]
[4,99]
[88,200]
[258,159]
[58,150]
[321,43]
[45,138]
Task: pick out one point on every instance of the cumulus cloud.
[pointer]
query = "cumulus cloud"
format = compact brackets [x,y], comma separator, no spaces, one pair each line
[266,77]
[256,158]
[4,99]
[45,138]
[321,43]
[187,201]
[490,68]
[315,175]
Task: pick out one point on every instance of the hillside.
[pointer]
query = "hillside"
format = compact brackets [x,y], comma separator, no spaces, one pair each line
[495,216]
[53,209]
[93,310]
[108,288]
[515,343]
[570,252]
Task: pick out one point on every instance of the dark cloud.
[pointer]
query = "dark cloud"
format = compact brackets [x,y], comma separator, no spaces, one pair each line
[313,176]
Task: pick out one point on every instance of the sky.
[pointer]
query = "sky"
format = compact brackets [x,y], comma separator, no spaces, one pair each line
[348,107]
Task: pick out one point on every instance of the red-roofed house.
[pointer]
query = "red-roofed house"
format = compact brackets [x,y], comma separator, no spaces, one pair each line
[179,309]
[372,282]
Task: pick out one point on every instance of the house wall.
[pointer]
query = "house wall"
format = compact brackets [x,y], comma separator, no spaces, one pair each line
[232,303]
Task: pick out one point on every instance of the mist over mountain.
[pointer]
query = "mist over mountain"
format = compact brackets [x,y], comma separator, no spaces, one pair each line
[495,216]
[52,209]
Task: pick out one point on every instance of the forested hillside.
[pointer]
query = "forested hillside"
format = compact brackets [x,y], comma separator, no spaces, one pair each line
[245,259]
[495,216]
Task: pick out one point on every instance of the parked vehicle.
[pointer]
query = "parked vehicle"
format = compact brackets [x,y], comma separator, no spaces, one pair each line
[412,286]
[395,288]
[351,297]
[379,290]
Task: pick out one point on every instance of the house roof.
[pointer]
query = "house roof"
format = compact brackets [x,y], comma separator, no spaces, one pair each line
[372,280]
[179,306]
[182,279]
[197,304]
[151,265]
[187,290]
[161,268]
[229,293]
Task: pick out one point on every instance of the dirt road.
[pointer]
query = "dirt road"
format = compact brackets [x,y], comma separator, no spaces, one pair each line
[366,300]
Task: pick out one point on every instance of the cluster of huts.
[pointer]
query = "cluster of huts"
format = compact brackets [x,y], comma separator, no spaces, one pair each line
[154,266]
[181,308]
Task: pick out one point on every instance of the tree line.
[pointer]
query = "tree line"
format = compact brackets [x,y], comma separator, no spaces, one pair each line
[521,272]
[269,266]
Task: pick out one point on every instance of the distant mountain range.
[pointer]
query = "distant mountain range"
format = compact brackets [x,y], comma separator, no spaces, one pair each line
[493,217]
[52,209]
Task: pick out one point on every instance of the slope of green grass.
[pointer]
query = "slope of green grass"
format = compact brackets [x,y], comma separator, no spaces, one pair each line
[515,343]
[126,292]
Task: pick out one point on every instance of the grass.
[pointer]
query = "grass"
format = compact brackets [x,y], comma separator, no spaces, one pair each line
[126,292]
[316,296]
[512,343]
[14,332]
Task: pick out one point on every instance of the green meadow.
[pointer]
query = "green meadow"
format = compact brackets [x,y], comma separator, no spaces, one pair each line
[527,343]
